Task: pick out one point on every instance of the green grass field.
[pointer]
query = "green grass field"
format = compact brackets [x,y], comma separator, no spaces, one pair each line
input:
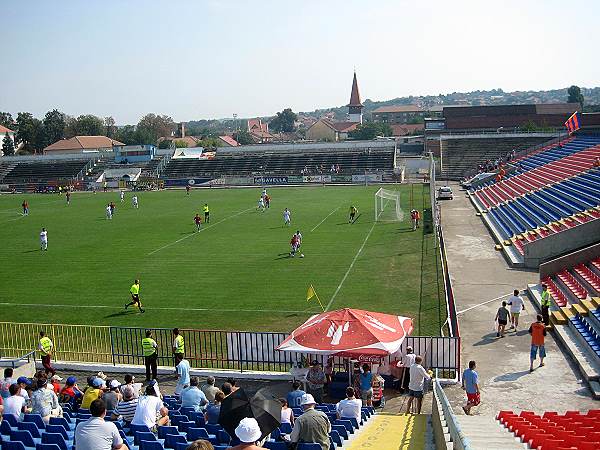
[235,274]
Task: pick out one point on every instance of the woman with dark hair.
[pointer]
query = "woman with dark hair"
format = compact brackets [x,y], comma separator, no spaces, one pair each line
[287,415]
[214,409]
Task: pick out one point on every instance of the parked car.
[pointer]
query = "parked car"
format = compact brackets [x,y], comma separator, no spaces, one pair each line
[445,193]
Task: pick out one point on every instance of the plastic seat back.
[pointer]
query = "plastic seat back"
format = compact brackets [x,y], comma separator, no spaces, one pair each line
[35,418]
[58,429]
[143,436]
[23,436]
[165,430]
[341,429]
[336,438]
[275,445]
[173,439]
[61,421]
[10,419]
[309,446]
[197,433]
[138,428]
[31,427]
[45,447]
[54,438]
[151,445]
[285,428]
[185,425]
[14,445]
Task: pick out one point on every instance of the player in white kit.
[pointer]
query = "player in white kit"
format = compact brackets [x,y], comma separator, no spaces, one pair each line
[287,220]
[261,204]
[122,195]
[108,212]
[134,201]
[43,239]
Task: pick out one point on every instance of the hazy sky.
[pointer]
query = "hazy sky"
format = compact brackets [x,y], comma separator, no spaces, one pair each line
[210,59]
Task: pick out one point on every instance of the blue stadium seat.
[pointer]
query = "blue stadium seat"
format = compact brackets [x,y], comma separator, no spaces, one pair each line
[35,418]
[275,445]
[143,435]
[31,427]
[285,428]
[14,445]
[5,427]
[23,436]
[60,430]
[213,429]
[151,445]
[198,417]
[12,421]
[309,446]
[223,437]
[347,424]
[341,429]
[336,438]
[165,430]
[55,438]
[61,421]
[186,425]
[181,446]
[172,439]
[201,433]
[135,428]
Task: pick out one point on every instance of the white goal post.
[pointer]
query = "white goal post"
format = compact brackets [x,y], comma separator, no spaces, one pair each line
[387,206]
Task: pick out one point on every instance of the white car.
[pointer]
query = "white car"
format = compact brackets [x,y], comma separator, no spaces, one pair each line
[445,193]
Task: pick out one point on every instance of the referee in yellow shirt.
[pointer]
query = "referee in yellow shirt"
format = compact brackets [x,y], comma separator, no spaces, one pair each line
[135,296]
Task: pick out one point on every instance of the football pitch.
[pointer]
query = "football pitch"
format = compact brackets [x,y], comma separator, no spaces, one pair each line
[235,274]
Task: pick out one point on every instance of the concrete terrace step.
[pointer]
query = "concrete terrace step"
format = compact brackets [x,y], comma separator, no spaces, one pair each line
[486,433]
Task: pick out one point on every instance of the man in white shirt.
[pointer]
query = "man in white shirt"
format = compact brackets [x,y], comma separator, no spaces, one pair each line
[407,361]
[148,408]
[417,381]
[15,404]
[350,407]
[43,239]
[96,433]
[287,217]
[134,201]
[516,306]
[108,212]
[122,194]
[183,376]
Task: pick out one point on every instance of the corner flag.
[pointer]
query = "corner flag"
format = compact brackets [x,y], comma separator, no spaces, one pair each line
[312,293]
[573,123]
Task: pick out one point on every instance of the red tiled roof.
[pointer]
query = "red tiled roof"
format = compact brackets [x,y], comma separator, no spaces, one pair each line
[404,129]
[398,109]
[229,141]
[83,143]
[342,127]
[5,130]
[354,94]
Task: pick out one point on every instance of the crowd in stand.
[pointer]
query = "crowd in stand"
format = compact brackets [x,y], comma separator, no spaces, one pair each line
[334,169]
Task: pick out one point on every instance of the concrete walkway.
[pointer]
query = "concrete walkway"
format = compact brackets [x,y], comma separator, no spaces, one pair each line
[480,274]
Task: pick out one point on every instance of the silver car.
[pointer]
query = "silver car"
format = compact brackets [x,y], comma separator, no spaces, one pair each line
[445,193]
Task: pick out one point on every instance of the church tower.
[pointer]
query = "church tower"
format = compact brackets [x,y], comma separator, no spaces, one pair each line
[355,106]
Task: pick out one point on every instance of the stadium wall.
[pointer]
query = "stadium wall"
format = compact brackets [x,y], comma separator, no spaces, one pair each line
[578,237]
[572,259]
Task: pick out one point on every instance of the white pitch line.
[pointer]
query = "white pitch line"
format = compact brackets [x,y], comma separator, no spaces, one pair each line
[160,308]
[326,217]
[196,232]
[350,268]
[483,303]
[12,220]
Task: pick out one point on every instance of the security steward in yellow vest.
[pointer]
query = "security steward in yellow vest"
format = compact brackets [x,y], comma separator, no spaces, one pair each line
[206,213]
[45,347]
[178,346]
[545,305]
[150,348]
[135,296]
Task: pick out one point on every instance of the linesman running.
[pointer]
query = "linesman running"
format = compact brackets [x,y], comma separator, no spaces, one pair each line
[353,212]
[206,213]
[135,296]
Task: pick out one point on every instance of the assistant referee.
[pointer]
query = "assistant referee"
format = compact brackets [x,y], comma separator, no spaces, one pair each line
[135,296]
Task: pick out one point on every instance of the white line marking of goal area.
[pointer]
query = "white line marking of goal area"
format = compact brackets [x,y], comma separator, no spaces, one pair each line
[326,217]
[163,308]
[483,303]
[350,268]
[196,232]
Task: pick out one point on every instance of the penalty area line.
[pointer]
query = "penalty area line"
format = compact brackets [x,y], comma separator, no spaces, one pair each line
[326,217]
[162,308]
[194,233]
[350,268]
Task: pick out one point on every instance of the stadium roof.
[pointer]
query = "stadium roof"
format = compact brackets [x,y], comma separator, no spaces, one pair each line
[83,143]
[398,109]
[4,130]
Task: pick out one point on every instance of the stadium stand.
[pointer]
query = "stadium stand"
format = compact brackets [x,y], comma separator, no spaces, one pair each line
[36,172]
[551,430]
[283,164]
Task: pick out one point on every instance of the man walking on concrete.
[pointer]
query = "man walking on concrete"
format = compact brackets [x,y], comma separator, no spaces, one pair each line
[538,333]
[470,384]
[545,304]
[516,306]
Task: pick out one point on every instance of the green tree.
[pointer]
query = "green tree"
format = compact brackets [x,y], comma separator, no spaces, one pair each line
[29,132]
[370,130]
[84,125]
[53,127]
[127,135]
[243,137]
[8,146]
[179,143]
[152,126]
[575,95]
[109,126]
[164,143]
[6,119]
[284,121]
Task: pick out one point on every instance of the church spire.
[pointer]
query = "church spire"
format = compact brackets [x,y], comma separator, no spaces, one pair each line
[355,106]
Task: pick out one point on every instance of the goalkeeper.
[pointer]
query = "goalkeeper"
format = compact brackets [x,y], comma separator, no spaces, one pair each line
[135,296]
[353,212]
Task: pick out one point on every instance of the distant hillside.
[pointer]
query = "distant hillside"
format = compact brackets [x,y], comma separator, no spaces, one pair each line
[493,97]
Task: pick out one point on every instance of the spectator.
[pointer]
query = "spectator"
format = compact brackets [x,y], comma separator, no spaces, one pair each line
[15,403]
[192,397]
[417,382]
[287,415]
[312,426]
[502,317]
[537,330]
[248,432]
[233,382]
[70,393]
[183,376]
[150,349]
[46,347]
[126,407]
[113,396]
[366,385]
[226,388]
[316,380]
[294,397]
[214,409]
[350,407]
[200,444]
[178,346]
[516,306]
[470,383]
[45,402]
[148,410]
[96,433]
[92,392]
[54,383]
[407,361]
[328,372]
[6,382]
[210,389]
[25,384]
[545,302]
[130,381]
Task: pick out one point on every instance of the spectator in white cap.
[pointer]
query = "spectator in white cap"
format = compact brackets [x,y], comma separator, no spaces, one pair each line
[113,396]
[313,426]
[248,432]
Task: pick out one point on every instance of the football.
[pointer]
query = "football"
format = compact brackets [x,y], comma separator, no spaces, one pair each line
[301,255]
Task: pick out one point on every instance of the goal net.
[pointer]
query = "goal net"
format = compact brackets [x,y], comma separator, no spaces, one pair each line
[387,206]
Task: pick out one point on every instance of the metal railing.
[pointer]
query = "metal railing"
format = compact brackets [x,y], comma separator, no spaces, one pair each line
[208,349]
[14,362]
[459,440]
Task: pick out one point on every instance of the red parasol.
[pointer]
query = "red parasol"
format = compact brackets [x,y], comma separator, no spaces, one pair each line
[353,333]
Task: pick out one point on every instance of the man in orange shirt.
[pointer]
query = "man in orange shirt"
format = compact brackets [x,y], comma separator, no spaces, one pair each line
[538,333]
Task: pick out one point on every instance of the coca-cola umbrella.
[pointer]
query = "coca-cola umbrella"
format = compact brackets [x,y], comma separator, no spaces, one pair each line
[352,333]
